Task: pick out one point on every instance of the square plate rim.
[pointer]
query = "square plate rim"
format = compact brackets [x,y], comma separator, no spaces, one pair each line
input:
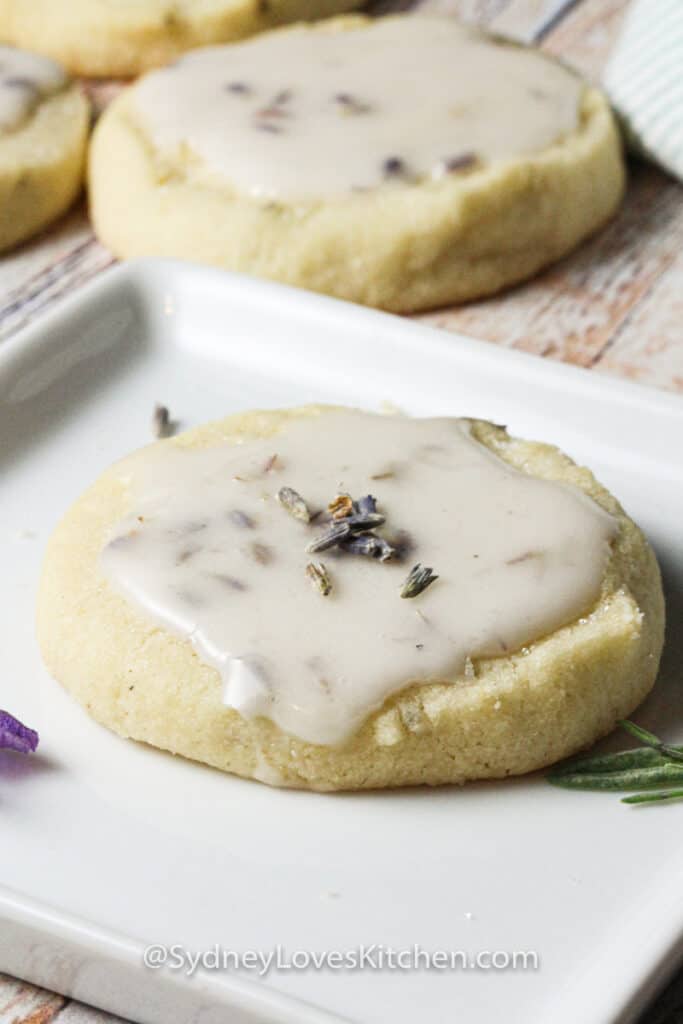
[146,277]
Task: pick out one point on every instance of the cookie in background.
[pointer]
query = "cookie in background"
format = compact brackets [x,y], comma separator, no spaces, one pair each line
[44,127]
[121,38]
[403,163]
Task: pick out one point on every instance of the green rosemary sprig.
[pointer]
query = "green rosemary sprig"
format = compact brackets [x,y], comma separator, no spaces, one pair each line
[651,798]
[655,766]
[650,740]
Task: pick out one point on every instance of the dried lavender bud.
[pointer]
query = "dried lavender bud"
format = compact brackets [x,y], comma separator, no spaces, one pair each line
[367,504]
[526,556]
[186,554]
[261,553]
[363,522]
[123,540]
[393,167]
[272,112]
[292,501]
[239,518]
[331,538]
[230,581]
[369,545]
[161,422]
[17,82]
[345,528]
[419,578]
[364,544]
[194,526]
[319,577]
[463,162]
[270,463]
[14,735]
[348,104]
[239,88]
[341,506]
[386,552]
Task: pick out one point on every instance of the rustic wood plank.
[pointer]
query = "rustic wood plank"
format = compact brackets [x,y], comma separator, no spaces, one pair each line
[21,1003]
[37,274]
[645,339]
[573,311]
[524,20]
[474,12]
[586,36]
[529,21]
[77,1013]
[612,302]
[648,347]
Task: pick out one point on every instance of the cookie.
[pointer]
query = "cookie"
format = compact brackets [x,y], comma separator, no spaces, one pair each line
[44,125]
[326,599]
[305,156]
[122,38]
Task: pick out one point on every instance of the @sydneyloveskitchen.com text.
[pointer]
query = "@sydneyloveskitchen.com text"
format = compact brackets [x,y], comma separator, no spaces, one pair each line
[370,957]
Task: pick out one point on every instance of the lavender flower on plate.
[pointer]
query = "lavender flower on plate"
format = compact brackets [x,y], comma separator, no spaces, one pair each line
[16,736]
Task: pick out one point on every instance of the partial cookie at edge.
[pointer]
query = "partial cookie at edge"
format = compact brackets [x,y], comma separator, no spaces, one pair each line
[95,39]
[42,165]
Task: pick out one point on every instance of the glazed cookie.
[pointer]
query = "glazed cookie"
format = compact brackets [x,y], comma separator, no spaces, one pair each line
[121,38]
[327,599]
[44,124]
[306,156]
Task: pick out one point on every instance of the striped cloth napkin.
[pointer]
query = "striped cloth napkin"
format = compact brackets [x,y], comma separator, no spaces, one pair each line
[644,80]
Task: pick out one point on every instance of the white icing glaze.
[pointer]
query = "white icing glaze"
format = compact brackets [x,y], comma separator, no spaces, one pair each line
[25,79]
[300,114]
[517,557]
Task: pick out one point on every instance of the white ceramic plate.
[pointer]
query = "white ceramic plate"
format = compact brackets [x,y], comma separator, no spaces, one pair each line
[107,846]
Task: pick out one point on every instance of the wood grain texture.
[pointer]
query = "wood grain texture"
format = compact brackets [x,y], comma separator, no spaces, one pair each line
[615,306]
[586,35]
[34,276]
[579,310]
[21,1003]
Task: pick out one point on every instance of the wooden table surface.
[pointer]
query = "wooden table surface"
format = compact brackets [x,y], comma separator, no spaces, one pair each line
[614,306]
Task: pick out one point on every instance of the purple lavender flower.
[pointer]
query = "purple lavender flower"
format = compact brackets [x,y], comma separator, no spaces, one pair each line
[15,736]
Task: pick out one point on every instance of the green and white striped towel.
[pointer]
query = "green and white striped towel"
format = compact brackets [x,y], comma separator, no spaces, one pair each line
[644,80]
